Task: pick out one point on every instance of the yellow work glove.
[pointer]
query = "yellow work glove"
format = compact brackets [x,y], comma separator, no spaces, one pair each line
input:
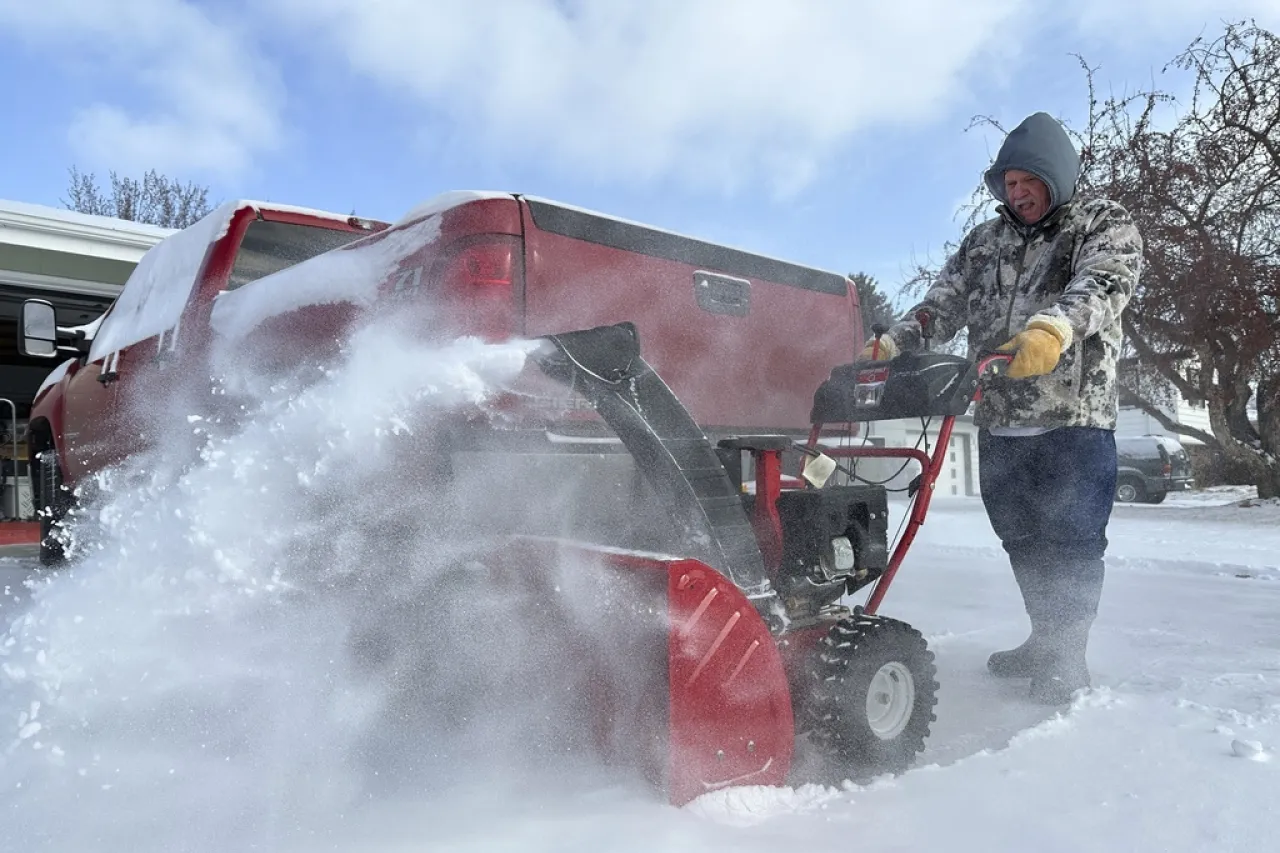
[888,349]
[1037,347]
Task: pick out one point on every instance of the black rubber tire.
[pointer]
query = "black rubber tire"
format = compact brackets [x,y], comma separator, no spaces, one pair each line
[53,501]
[1157,497]
[841,675]
[1139,492]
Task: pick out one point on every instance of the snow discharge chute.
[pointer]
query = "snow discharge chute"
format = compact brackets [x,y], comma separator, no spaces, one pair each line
[720,712]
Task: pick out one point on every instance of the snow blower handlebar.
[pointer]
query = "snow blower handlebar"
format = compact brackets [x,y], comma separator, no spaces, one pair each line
[993,362]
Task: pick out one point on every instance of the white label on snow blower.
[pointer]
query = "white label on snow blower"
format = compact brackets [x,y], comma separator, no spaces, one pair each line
[817,469]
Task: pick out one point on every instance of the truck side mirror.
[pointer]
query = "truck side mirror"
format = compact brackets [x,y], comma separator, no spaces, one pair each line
[39,324]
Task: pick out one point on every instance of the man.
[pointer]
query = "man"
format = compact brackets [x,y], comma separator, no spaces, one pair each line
[1046,279]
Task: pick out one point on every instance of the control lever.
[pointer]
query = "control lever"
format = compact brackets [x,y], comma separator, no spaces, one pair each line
[877,329]
[925,319]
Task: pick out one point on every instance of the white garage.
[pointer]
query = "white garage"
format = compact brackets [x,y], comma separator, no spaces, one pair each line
[77,262]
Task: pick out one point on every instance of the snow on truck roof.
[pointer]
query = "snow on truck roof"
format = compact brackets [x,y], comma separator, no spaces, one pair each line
[157,290]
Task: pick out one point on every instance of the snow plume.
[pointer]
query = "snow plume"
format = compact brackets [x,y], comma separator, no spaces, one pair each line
[274,626]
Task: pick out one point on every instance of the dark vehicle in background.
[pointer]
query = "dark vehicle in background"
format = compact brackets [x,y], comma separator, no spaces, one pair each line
[1151,466]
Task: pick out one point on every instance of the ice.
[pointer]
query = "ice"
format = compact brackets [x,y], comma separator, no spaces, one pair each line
[1250,749]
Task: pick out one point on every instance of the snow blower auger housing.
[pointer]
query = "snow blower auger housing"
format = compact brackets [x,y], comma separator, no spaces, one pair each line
[759,648]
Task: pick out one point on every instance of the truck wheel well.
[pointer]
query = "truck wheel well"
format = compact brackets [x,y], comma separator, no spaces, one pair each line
[39,439]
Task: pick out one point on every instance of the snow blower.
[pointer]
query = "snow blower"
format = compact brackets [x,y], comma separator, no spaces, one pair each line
[724,653]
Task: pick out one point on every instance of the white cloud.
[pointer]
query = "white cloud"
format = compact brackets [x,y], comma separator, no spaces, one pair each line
[181,91]
[717,93]
[1138,21]
[709,91]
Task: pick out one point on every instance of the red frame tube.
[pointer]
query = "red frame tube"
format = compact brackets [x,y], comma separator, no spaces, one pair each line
[765,519]
[930,468]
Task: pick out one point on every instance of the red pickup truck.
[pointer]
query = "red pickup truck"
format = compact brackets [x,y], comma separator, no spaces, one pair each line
[742,339]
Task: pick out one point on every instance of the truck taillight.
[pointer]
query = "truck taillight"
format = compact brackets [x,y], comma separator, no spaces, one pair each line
[486,264]
[481,282]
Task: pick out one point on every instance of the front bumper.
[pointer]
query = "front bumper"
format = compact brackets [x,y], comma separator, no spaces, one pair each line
[1174,484]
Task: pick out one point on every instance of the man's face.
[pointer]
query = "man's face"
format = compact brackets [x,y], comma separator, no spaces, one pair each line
[1027,195]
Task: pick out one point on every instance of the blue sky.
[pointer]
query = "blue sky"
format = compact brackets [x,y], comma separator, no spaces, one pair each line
[826,132]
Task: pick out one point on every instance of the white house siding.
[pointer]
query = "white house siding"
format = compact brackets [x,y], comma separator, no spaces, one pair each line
[62,256]
[1134,421]
[960,467]
[959,474]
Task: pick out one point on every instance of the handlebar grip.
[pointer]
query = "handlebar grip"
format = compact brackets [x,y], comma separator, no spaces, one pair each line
[993,361]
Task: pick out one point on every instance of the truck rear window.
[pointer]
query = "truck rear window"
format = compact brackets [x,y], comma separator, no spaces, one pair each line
[271,246]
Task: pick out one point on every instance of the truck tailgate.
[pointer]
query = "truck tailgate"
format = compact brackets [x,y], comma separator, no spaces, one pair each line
[742,339]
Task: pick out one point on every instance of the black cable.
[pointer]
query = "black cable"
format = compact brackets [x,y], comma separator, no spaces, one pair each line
[924,436]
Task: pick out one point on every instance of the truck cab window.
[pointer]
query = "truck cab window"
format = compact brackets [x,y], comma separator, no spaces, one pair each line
[269,247]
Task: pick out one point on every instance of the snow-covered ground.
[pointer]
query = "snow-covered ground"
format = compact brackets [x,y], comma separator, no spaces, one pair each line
[180,690]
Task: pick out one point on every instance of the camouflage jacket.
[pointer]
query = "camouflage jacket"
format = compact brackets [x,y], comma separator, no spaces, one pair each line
[1078,267]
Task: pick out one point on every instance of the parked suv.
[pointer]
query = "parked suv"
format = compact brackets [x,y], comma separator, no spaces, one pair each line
[1151,466]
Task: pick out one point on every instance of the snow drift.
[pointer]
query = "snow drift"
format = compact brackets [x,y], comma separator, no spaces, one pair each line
[258,640]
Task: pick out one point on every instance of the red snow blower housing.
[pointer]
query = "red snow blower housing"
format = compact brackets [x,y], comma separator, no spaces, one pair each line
[757,645]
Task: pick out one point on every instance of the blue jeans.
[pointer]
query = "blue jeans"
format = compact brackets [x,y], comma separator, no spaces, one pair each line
[1049,499]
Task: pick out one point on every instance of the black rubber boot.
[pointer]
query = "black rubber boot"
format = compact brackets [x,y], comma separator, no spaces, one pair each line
[1061,668]
[1021,662]
[1016,663]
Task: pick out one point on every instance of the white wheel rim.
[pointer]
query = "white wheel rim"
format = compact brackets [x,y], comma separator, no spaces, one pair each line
[890,700]
[1128,493]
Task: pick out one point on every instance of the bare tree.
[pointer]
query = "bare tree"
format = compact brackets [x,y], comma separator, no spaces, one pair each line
[155,200]
[1204,188]
[85,197]
[1206,194]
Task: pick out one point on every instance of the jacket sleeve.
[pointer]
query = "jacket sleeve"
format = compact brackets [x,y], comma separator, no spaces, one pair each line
[1105,274]
[946,302]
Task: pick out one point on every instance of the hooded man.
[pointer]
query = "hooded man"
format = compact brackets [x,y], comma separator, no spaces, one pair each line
[1046,279]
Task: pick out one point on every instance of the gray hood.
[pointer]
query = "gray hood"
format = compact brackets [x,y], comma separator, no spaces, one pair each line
[1041,146]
